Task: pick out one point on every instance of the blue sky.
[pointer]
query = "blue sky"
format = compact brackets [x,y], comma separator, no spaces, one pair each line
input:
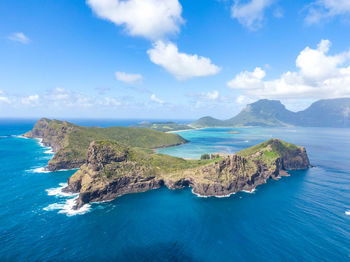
[169,59]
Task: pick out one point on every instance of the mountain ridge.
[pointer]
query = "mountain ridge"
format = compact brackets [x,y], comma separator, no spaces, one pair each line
[271,113]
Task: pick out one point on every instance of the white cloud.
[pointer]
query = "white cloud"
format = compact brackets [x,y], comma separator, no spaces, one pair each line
[212,95]
[243,100]
[320,10]
[30,100]
[154,98]
[248,80]
[128,78]
[19,37]
[182,66]
[320,76]
[250,14]
[110,102]
[152,19]
[4,99]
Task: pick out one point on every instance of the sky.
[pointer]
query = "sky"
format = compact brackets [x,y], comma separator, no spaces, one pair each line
[169,59]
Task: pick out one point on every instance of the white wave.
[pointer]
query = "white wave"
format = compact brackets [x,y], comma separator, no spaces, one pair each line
[250,192]
[54,206]
[40,142]
[199,195]
[67,208]
[49,151]
[19,136]
[57,191]
[347,213]
[39,170]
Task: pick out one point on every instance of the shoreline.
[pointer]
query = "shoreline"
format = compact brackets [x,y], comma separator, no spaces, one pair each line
[184,130]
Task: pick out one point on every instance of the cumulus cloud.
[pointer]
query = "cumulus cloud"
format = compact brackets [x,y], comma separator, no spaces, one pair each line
[128,78]
[30,100]
[152,19]
[182,66]
[250,14]
[320,75]
[248,80]
[19,37]
[208,96]
[243,100]
[320,10]
[154,98]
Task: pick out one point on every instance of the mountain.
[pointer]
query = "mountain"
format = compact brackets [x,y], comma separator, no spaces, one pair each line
[208,121]
[262,113]
[326,113]
[323,113]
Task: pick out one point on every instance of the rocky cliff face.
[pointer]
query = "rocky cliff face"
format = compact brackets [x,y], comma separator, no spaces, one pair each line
[52,132]
[113,170]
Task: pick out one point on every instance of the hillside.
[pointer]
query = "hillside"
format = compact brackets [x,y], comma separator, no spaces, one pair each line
[163,126]
[112,170]
[323,113]
[208,121]
[326,113]
[71,142]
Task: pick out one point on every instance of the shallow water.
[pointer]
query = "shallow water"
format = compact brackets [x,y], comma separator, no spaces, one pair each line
[298,218]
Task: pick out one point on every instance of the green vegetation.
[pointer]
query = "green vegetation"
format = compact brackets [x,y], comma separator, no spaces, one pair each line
[71,142]
[269,151]
[209,156]
[163,126]
[208,121]
[151,163]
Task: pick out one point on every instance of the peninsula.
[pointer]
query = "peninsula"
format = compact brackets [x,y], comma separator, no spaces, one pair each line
[118,161]
[71,142]
[112,170]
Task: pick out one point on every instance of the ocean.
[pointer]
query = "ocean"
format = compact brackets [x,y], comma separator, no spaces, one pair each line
[303,217]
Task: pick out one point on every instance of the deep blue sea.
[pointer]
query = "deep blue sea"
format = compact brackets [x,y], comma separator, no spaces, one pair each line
[298,218]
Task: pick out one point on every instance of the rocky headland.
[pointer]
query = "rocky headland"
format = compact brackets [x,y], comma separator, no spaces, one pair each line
[119,160]
[71,142]
[112,170]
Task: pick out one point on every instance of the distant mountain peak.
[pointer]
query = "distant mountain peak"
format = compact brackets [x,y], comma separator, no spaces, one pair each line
[266,112]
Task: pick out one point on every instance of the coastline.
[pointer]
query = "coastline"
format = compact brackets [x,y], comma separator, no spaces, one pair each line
[184,130]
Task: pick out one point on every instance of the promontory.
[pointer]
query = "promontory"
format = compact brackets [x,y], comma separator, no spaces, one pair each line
[118,161]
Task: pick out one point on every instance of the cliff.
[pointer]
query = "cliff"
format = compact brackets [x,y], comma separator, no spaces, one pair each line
[71,142]
[112,170]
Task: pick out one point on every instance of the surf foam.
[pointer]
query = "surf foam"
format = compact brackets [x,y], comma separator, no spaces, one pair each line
[67,208]
[57,191]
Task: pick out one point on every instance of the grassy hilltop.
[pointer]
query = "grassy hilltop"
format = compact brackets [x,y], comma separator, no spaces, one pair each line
[112,169]
[70,142]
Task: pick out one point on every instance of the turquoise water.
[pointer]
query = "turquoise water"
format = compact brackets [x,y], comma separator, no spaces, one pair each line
[298,218]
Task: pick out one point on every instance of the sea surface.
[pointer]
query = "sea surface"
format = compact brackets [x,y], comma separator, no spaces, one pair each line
[303,217]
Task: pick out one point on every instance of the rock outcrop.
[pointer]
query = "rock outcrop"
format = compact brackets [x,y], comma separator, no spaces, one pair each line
[112,170]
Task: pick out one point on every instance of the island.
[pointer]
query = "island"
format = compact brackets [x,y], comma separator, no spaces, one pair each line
[112,170]
[71,142]
[272,113]
[119,161]
[163,126]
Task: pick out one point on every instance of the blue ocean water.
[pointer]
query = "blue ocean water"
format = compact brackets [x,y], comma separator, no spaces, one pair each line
[298,218]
